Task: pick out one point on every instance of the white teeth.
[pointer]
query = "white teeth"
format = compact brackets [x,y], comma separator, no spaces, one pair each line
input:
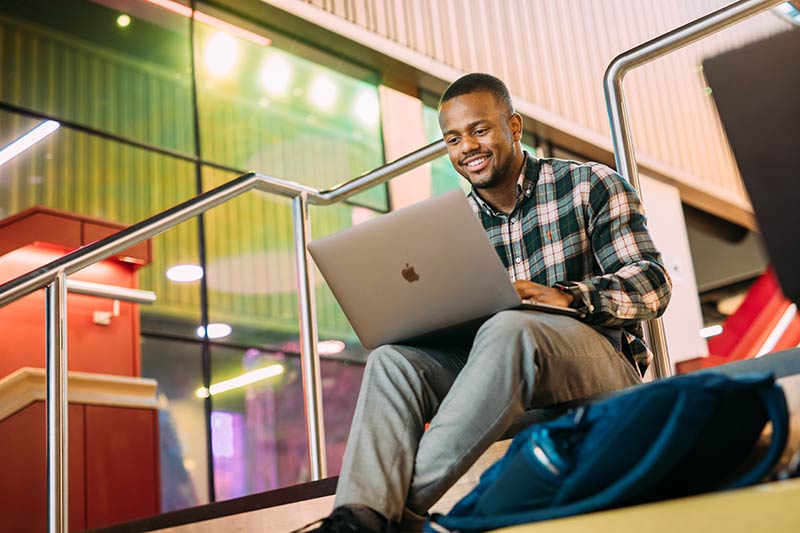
[476,162]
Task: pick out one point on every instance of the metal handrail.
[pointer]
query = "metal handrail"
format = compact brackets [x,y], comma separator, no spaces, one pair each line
[618,116]
[132,235]
[101,290]
[53,277]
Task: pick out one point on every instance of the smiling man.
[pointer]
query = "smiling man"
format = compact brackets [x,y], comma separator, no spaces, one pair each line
[569,234]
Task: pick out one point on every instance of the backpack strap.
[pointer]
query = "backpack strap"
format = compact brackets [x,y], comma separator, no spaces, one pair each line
[666,450]
[774,401]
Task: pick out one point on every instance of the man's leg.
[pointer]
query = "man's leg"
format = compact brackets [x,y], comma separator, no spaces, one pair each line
[401,390]
[519,359]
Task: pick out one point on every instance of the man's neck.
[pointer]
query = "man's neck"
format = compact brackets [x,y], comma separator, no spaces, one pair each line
[501,199]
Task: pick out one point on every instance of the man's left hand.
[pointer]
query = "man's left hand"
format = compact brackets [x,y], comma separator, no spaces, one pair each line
[535,292]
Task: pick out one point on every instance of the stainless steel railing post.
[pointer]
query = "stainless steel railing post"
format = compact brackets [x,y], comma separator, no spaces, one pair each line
[620,128]
[57,406]
[73,262]
[310,363]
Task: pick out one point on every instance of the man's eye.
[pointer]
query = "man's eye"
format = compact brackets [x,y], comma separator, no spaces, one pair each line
[452,140]
[480,131]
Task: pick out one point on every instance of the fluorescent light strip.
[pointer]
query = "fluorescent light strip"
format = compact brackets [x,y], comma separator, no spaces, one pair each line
[231,28]
[778,331]
[240,381]
[710,331]
[175,7]
[29,139]
[788,12]
[186,11]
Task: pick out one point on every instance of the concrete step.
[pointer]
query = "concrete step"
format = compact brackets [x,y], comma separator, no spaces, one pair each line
[768,507]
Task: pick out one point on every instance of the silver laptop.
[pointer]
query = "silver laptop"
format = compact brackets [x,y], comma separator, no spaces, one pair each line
[416,271]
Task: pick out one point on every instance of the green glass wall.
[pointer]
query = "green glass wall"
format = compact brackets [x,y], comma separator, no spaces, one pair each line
[70,59]
[269,110]
[126,149]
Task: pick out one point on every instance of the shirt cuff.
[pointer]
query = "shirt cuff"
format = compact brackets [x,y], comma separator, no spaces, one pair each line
[581,300]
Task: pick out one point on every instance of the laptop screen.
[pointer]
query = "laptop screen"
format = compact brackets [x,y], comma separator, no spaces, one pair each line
[757,93]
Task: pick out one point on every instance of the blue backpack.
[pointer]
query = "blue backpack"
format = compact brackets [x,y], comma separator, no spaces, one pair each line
[672,438]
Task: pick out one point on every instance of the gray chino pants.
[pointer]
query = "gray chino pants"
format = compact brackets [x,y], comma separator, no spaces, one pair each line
[470,396]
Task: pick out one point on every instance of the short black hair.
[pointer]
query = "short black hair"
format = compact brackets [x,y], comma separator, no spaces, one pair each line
[478,82]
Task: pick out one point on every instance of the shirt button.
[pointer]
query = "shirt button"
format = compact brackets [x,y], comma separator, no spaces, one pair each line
[518,260]
[513,220]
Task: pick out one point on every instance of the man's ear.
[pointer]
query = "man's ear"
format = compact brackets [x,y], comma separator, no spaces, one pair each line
[515,122]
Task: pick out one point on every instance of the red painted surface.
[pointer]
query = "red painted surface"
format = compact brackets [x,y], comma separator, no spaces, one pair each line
[121,464]
[736,326]
[112,349]
[791,337]
[113,451]
[23,229]
[760,327]
[113,467]
[23,485]
[745,332]
[37,236]
[64,229]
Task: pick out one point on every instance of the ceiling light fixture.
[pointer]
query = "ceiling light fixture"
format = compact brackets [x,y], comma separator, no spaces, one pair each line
[216,330]
[331,347]
[29,139]
[323,92]
[185,273]
[205,18]
[711,331]
[367,108]
[276,74]
[221,53]
[245,379]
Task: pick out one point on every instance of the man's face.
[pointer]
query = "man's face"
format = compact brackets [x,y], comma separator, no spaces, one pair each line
[482,139]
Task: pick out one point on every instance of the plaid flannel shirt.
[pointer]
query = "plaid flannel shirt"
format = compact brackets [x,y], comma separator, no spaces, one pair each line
[581,224]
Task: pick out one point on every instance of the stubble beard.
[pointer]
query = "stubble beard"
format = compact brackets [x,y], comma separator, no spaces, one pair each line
[496,177]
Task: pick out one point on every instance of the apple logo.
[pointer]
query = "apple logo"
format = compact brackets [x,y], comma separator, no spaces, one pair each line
[409,274]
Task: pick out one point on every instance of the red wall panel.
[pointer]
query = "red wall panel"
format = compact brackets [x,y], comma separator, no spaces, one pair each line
[20,230]
[121,464]
[112,349]
[23,463]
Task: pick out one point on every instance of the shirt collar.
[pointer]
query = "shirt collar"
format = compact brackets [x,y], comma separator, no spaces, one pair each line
[528,176]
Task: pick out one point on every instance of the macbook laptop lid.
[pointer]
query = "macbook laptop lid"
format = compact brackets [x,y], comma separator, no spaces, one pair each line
[417,270]
[757,92]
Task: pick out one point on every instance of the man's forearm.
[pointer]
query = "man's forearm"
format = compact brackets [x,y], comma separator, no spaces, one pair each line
[637,292]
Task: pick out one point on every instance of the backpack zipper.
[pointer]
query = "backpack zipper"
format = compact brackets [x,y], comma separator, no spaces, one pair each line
[540,454]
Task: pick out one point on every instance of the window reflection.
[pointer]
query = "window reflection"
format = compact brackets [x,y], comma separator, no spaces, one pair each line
[266,109]
[117,76]
[72,59]
[176,365]
[258,428]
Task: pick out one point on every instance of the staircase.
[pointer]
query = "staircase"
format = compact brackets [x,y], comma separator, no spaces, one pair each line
[767,507]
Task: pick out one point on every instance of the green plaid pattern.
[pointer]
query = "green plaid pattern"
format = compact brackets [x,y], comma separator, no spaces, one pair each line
[583,223]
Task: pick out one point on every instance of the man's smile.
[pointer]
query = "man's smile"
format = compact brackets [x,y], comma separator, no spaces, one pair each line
[476,163]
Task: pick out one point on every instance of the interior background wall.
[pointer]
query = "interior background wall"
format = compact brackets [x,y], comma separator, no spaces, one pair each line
[553,53]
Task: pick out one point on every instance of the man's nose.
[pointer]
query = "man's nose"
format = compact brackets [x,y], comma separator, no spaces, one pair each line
[468,144]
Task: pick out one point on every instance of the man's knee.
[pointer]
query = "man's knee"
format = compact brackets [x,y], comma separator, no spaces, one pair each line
[510,322]
[390,358]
